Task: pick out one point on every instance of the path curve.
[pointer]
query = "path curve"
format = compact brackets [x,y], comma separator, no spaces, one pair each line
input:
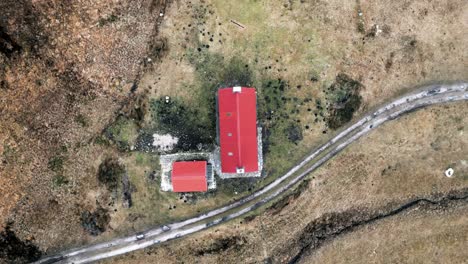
[429,95]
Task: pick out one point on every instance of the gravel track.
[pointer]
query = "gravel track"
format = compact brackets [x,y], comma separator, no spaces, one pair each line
[425,96]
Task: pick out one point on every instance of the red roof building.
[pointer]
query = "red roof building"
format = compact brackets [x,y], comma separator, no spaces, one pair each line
[237,116]
[189,176]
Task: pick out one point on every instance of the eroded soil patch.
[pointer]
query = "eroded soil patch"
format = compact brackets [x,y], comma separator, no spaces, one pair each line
[221,245]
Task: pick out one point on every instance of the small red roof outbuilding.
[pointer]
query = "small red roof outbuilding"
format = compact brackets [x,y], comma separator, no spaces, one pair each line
[237,115]
[189,176]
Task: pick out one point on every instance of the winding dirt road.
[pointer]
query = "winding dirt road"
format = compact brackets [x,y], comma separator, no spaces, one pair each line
[429,95]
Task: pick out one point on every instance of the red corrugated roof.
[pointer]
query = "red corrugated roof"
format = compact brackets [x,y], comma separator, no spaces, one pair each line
[189,176]
[237,113]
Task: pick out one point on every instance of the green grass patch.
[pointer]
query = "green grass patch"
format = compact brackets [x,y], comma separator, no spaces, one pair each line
[56,163]
[123,132]
[101,140]
[82,120]
[195,124]
[188,123]
[140,158]
[237,186]
[10,154]
[147,199]
[59,180]
[107,20]
[267,36]
[360,26]
[277,110]
[213,71]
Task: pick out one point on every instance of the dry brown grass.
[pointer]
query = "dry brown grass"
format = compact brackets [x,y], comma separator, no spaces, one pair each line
[96,58]
[415,237]
[59,95]
[372,173]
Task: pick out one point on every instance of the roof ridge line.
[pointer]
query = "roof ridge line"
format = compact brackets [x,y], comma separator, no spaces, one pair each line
[239,145]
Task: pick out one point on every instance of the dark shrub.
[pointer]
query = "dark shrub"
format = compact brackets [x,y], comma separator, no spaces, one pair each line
[110,171]
[13,250]
[95,222]
[344,100]
[294,133]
